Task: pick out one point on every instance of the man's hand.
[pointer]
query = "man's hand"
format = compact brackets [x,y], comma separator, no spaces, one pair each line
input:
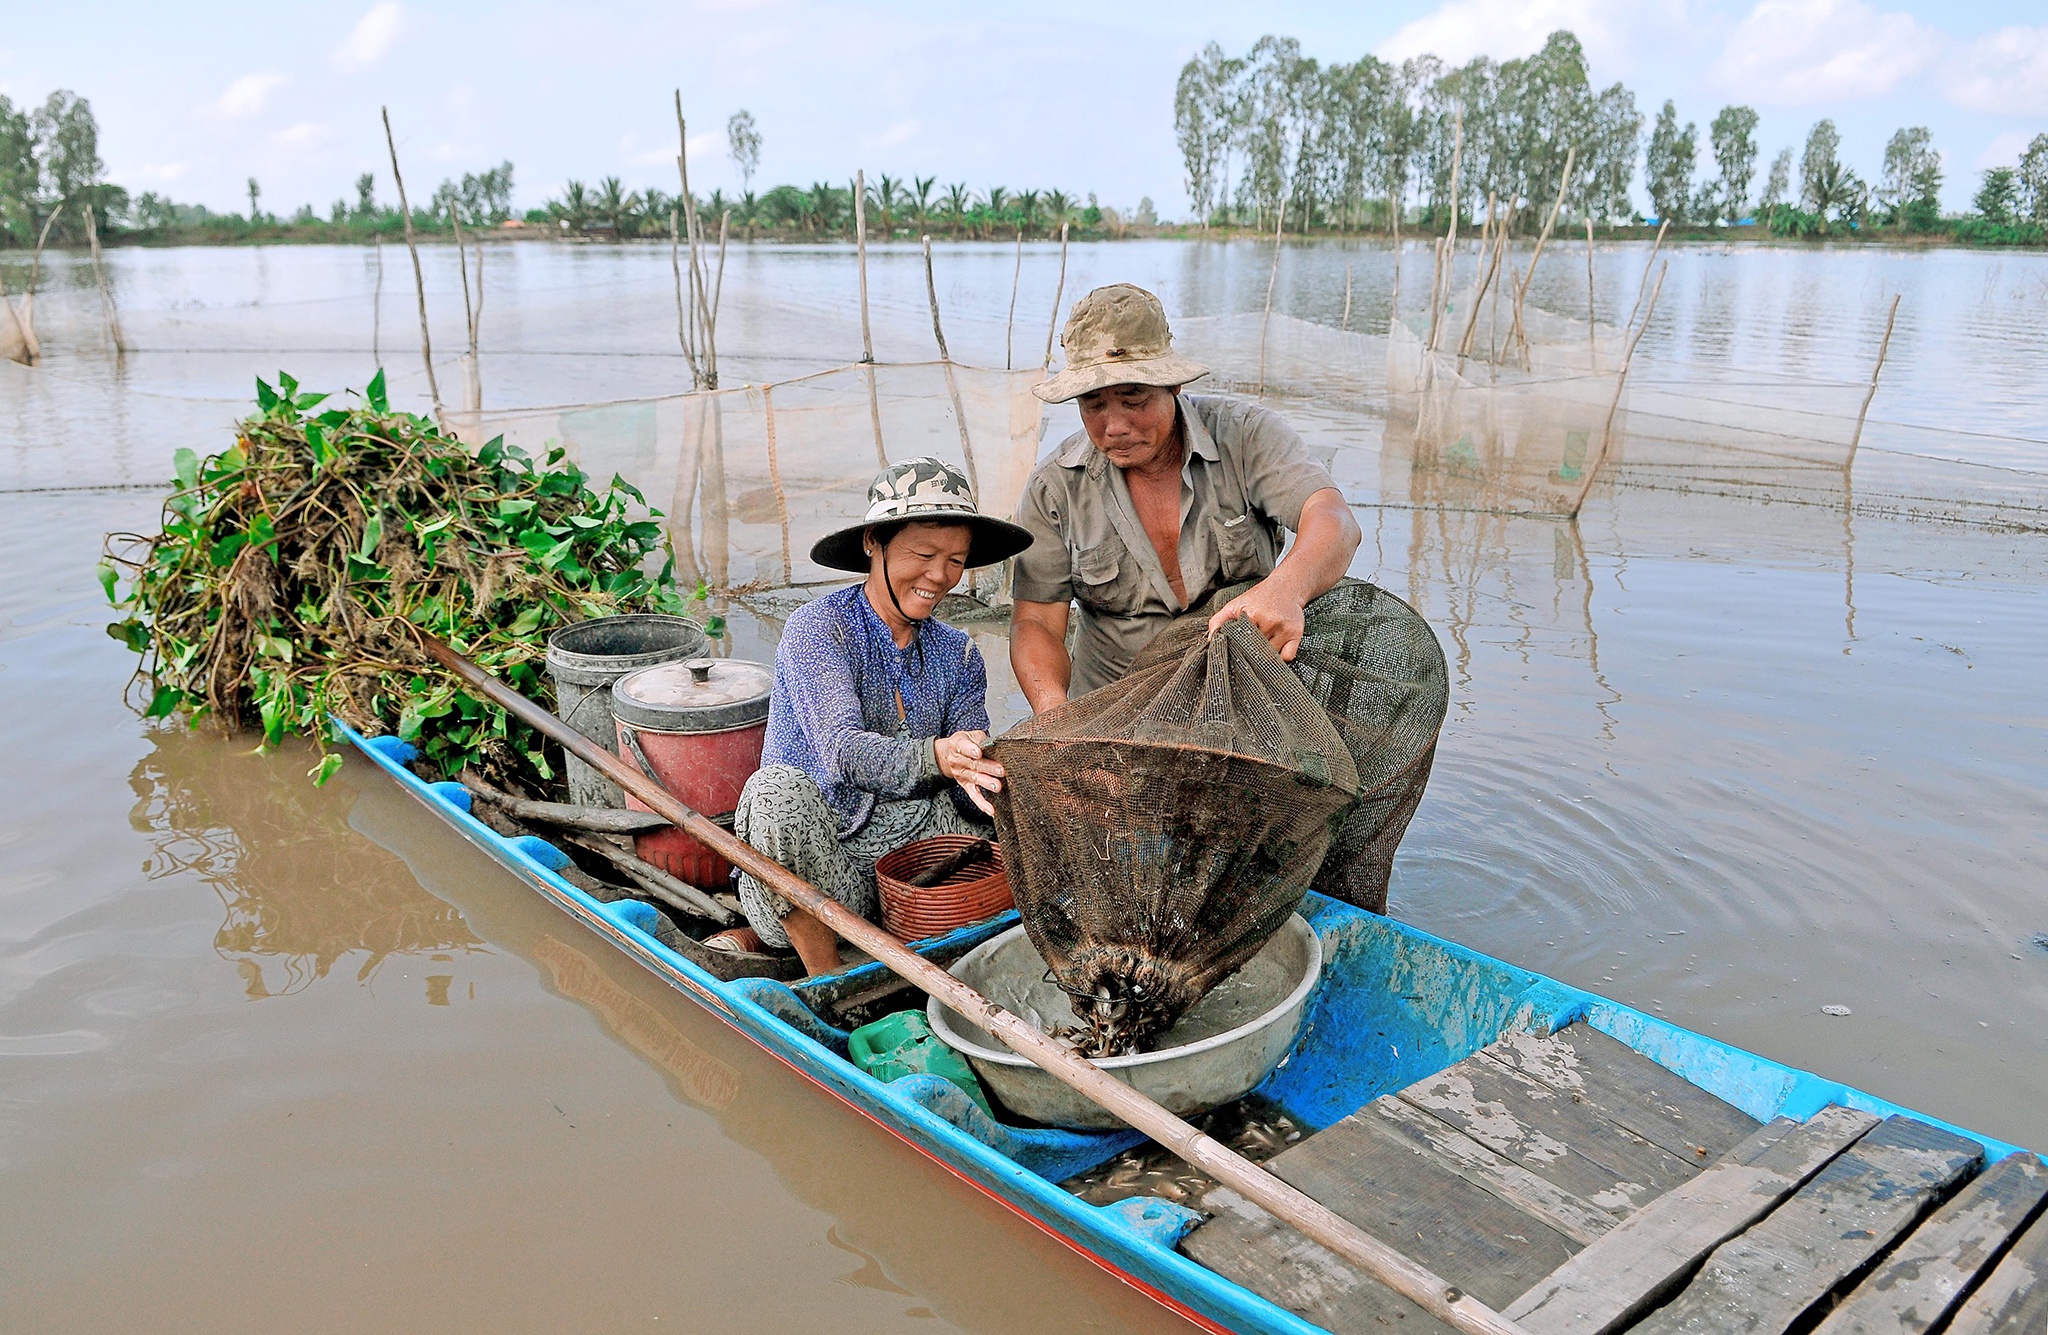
[959,758]
[1276,612]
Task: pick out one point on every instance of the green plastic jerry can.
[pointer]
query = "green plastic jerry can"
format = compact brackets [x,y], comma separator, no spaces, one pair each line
[904,1044]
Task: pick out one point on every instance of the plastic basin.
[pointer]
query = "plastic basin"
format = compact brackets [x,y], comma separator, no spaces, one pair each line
[1228,1042]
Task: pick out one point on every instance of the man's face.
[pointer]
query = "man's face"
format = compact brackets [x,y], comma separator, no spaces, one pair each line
[1132,424]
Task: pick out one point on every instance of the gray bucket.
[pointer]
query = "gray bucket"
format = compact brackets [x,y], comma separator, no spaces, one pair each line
[586,658]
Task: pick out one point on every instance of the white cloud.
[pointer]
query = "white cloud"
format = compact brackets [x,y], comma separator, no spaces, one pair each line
[164,172]
[2003,73]
[897,135]
[247,95]
[372,36]
[1505,29]
[1801,52]
[2004,150]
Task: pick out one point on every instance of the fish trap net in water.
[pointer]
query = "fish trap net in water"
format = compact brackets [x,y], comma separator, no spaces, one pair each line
[1160,830]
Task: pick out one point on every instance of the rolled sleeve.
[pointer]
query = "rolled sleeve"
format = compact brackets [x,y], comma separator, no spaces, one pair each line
[1043,572]
[1279,474]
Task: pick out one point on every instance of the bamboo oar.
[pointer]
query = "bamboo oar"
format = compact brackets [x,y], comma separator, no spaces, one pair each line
[1404,1276]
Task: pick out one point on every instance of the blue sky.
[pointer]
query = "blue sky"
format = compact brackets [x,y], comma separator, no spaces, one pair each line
[193,101]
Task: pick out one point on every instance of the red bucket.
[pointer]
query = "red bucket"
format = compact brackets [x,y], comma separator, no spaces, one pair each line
[914,912]
[701,724]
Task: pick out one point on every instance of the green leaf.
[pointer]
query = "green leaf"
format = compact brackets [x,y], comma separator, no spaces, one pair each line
[329,766]
[316,440]
[223,552]
[263,532]
[373,533]
[528,621]
[166,699]
[714,626]
[131,633]
[109,579]
[266,397]
[187,465]
[374,394]
[513,507]
[305,401]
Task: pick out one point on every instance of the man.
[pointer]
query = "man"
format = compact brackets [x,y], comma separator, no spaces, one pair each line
[1163,499]
[1159,501]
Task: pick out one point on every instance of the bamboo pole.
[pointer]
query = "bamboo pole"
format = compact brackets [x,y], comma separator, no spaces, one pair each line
[1284,1202]
[1614,405]
[99,270]
[1447,255]
[1571,156]
[775,478]
[1272,279]
[1058,293]
[419,277]
[703,337]
[675,264]
[31,347]
[377,307]
[1643,283]
[1345,325]
[931,288]
[20,334]
[1883,347]
[1592,307]
[1010,329]
[867,342]
[473,393]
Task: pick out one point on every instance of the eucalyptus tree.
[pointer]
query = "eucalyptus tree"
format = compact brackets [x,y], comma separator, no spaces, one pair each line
[68,150]
[1909,188]
[1201,124]
[1826,186]
[1733,134]
[743,143]
[1669,164]
[1777,185]
[366,195]
[20,173]
[1616,135]
[1997,198]
[2033,181]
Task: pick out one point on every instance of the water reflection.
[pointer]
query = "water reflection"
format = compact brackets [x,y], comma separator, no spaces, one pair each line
[301,893]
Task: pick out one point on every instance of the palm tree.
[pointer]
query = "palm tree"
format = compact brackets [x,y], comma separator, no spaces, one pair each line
[820,215]
[616,204]
[998,199]
[923,200]
[1059,208]
[575,206]
[886,190]
[1027,209]
[749,210]
[957,202]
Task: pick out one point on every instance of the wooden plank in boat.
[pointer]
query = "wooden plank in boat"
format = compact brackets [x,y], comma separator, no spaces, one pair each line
[1659,1246]
[1629,1089]
[1914,1288]
[1765,1279]
[1400,1191]
[1567,1143]
[1576,1218]
[2014,1299]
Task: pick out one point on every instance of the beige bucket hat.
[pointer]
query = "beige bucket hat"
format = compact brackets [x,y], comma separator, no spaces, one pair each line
[1117,335]
[928,489]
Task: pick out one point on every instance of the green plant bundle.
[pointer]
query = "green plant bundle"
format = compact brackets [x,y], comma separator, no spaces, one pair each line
[293,567]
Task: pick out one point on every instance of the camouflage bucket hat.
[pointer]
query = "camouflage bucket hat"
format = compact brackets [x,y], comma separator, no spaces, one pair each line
[929,491]
[1117,335]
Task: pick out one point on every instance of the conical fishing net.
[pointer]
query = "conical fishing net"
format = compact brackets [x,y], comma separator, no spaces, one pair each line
[1160,830]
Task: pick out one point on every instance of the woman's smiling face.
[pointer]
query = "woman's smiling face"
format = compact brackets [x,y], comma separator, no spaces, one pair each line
[923,561]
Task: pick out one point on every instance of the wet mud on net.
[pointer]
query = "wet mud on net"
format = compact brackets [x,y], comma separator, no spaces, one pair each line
[1160,830]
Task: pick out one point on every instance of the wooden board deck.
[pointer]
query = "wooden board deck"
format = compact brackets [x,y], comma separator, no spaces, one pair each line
[1577,1186]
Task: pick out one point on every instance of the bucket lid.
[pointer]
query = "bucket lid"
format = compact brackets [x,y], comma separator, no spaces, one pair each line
[695,695]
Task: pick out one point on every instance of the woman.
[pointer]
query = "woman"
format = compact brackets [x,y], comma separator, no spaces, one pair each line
[878,714]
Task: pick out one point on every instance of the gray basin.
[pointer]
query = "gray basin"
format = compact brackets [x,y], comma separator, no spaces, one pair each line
[1228,1042]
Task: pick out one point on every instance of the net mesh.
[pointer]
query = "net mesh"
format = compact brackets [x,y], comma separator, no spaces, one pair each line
[1158,831]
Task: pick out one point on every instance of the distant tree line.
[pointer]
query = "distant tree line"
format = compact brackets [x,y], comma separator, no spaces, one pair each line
[1274,138]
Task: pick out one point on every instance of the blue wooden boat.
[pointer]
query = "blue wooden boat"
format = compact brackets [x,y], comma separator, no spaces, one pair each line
[1398,1009]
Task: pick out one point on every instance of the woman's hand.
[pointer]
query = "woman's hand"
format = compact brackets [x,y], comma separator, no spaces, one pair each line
[959,758]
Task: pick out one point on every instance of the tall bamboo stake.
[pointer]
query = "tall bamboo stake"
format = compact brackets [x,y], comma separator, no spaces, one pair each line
[1643,283]
[1883,347]
[675,264]
[1346,323]
[931,288]
[99,269]
[1447,259]
[20,350]
[473,393]
[377,308]
[1571,156]
[1059,292]
[1010,329]
[1286,1203]
[419,277]
[704,337]
[867,342]
[1592,306]
[1272,278]
[31,347]
[1614,404]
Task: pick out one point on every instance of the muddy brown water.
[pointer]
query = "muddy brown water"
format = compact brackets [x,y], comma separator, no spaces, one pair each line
[278,1055]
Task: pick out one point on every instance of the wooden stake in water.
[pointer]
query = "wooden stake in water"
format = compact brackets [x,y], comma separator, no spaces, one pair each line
[867,342]
[931,288]
[419,278]
[99,269]
[1346,323]
[1592,307]
[1010,329]
[1571,155]
[377,307]
[1890,319]
[1058,292]
[675,265]
[1272,278]
[473,392]
[1614,405]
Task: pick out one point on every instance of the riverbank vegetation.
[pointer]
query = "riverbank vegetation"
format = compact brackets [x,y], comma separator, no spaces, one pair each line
[1271,138]
[1275,139]
[290,569]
